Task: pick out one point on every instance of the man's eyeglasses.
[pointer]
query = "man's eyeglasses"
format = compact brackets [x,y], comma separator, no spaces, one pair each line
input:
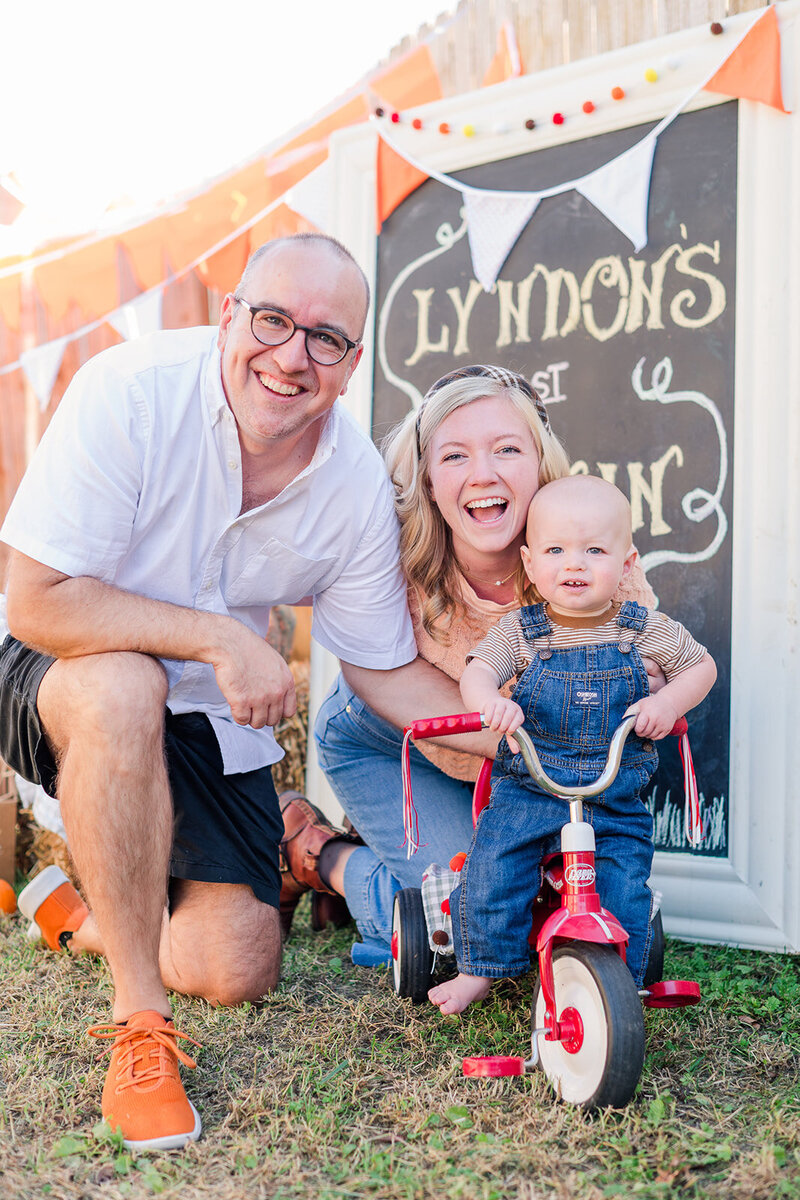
[272,327]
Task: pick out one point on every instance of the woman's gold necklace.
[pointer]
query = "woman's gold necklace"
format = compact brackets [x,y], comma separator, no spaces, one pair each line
[496,582]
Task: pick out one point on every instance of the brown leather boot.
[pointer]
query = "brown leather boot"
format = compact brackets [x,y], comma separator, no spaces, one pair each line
[307,830]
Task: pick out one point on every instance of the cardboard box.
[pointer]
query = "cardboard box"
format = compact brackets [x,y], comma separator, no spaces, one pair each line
[8,824]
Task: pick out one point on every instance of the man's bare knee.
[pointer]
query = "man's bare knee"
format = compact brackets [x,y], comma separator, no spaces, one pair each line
[224,944]
[230,985]
[107,696]
[226,979]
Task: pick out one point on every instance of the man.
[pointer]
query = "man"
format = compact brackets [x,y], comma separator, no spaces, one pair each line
[187,483]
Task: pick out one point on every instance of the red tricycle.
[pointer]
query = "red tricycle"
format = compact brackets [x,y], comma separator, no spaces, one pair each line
[587,1026]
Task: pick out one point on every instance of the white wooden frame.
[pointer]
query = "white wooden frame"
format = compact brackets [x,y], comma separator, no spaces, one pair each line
[752,897]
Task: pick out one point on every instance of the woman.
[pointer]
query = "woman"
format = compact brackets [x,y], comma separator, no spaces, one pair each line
[465,465]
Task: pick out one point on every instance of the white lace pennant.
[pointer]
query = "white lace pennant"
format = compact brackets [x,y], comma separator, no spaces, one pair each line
[41,366]
[140,316]
[311,197]
[621,190]
[494,222]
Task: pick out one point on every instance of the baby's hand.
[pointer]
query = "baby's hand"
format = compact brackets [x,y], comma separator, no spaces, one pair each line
[504,716]
[655,716]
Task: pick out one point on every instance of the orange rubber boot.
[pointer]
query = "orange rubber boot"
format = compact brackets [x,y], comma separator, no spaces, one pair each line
[143,1094]
[53,906]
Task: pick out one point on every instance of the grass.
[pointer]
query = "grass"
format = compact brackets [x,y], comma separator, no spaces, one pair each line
[333,1088]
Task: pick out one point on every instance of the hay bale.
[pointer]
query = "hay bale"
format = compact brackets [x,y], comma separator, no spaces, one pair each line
[48,848]
[292,737]
[26,833]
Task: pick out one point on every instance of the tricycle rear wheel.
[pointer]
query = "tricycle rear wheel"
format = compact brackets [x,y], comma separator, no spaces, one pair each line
[655,959]
[412,960]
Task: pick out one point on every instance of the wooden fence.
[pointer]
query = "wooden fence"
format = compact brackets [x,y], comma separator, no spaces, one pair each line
[552,32]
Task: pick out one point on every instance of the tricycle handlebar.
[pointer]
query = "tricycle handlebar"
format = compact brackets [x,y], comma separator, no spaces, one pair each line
[474,722]
[608,775]
[438,726]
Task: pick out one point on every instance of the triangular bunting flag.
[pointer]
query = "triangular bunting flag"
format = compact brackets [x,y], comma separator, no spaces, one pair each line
[140,316]
[396,179]
[494,222]
[753,70]
[222,269]
[621,189]
[410,80]
[10,204]
[311,197]
[41,366]
[506,63]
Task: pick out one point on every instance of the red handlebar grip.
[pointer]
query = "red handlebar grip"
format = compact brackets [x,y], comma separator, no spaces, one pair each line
[436,726]
[680,727]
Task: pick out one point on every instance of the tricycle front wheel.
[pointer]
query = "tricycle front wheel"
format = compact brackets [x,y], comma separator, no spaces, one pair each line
[600,1063]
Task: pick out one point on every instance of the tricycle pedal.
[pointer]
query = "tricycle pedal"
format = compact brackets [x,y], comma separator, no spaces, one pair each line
[671,993]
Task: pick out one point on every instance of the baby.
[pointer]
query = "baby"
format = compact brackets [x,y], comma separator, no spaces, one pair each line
[578,657]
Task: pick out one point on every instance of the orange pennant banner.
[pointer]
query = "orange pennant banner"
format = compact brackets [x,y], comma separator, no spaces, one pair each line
[88,278]
[351,112]
[396,179]
[412,80]
[281,222]
[144,245]
[506,63]
[753,71]
[10,307]
[223,270]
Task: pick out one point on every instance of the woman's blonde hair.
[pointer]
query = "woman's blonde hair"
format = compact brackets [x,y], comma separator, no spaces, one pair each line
[426,546]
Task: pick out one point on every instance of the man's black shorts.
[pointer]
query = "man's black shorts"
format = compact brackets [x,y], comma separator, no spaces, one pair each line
[227,827]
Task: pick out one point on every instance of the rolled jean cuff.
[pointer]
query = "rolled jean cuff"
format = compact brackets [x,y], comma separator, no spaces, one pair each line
[494,970]
[370,890]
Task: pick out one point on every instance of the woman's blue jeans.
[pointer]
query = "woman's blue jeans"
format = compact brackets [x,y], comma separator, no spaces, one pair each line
[360,755]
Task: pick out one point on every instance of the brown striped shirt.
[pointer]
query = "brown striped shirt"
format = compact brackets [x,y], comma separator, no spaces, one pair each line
[508,652]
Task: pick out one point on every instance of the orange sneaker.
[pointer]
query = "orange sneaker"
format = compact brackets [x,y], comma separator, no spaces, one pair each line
[53,906]
[143,1094]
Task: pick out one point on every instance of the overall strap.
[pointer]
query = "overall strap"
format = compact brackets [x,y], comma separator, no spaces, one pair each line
[632,616]
[534,621]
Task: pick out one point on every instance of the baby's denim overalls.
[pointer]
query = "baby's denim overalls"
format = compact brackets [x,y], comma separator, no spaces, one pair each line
[573,700]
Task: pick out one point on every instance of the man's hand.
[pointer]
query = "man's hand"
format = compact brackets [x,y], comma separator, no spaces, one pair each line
[70,617]
[253,678]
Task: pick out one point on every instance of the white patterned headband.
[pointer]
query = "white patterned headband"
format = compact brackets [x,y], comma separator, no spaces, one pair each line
[507,379]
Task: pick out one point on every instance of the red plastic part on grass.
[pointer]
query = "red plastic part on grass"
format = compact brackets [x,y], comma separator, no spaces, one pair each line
[672,993]
[494,1064]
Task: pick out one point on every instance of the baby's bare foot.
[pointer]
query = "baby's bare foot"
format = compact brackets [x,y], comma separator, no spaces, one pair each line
[455,995]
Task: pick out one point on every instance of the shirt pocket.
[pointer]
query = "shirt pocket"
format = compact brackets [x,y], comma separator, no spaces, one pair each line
[274,574]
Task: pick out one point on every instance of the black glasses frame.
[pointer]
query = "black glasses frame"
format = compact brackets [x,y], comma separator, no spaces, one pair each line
[255,309]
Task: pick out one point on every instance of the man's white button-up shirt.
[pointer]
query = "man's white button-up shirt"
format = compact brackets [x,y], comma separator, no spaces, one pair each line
[138,482]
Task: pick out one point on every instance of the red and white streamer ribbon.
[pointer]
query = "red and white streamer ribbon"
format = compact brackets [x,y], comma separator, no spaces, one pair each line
[693,822]
[410,816]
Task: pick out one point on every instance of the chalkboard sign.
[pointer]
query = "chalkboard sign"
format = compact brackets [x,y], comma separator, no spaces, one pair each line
[633,353]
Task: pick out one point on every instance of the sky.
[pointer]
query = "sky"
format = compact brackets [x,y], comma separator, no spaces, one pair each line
[103,102]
